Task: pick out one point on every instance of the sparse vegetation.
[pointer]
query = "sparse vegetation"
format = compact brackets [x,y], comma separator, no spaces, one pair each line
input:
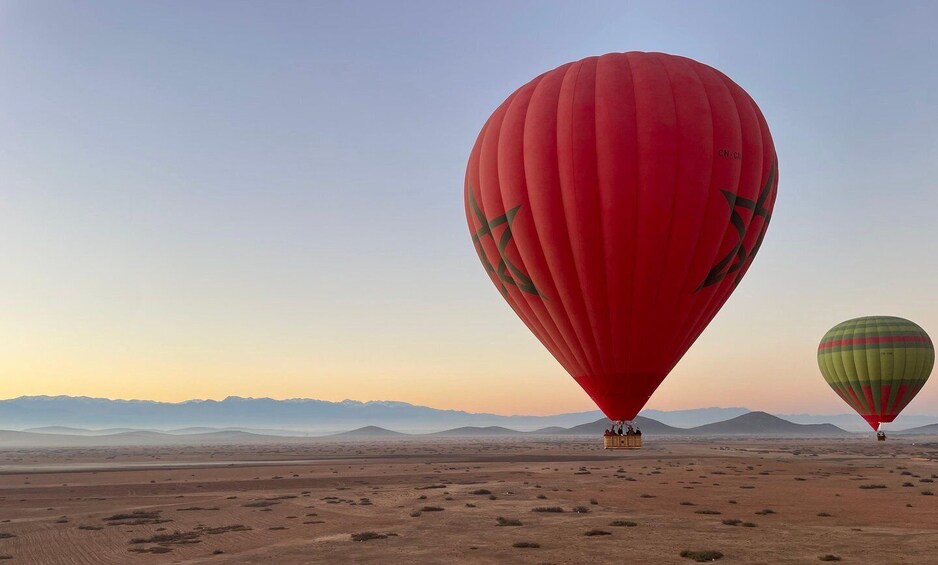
[500,521]
[176,537]
[365,536]
[581,509]
[481,491]
[526,544]
[872,486]
[623,524]
[829,557]
[732,522]
[555,509]
[765,512]
[709,512]
[701,556]
[431,509]
[597,533]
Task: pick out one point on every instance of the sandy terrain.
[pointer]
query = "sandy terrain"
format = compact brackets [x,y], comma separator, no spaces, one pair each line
[440,502]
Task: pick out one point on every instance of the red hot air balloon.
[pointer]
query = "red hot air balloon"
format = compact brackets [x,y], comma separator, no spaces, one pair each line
[615,203]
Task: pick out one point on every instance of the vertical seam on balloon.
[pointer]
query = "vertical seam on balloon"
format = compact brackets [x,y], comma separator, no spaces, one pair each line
[728,285]
[560,344]
[608,365]
[580,275]
[857,384]
[573,346]
[674,193]
[696,303]
[577,295]
[630,345]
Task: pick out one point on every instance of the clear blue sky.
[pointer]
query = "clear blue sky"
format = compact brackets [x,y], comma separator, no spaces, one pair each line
[208,198]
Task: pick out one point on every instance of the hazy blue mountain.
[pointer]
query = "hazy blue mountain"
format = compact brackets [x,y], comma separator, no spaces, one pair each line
[301,417]
[317,416]
[370,432]
[930,429]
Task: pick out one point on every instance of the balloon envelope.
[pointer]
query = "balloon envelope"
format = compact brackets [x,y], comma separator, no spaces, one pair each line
[877,364]
[615,203]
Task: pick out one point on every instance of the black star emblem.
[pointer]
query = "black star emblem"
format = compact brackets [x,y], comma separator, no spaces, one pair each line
[739,256]
[506,272]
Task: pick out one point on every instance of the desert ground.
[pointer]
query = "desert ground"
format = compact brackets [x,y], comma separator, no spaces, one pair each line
[504,500]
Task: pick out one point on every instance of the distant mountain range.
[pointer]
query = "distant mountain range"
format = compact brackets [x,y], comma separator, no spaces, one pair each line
[298,415]
[750,424]
[72,416]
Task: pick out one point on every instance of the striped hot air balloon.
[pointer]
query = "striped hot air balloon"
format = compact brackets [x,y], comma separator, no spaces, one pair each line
[877,364]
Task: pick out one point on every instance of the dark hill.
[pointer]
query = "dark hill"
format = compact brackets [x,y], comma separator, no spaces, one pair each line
[477,431]
[764,424]
[370,431]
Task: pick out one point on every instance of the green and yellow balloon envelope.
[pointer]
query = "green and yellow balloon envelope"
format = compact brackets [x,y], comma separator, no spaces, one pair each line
[877,364]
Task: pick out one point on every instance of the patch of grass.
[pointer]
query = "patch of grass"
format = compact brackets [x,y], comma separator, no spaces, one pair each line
[748,524]
[908,485]
[365,536]
[927,493]
[647,496]
[93,528]
[597,533]
[154,549]
[481,491]
[829,557]
[581,509]
[429,487]
[732,522]
[260,504]
[470,505]
[823,515]
[6,535]
[765,512]
[176,537]
[500,521]
[709,512]
[195,508]
[623,524]
[431,509]
[872,486]
[555,509]
[688,504]
[415,514]
[701,556]
[224,529]
[136,515]
[526,544]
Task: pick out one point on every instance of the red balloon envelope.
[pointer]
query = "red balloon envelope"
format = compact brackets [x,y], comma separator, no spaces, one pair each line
[616,202]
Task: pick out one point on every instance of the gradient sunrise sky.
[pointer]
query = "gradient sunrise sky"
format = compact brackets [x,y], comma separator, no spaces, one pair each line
[203,199]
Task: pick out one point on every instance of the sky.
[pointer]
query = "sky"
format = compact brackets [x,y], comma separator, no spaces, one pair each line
[203,199]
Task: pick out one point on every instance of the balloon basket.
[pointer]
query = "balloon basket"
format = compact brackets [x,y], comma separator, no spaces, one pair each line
[880,438]
[622,442]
